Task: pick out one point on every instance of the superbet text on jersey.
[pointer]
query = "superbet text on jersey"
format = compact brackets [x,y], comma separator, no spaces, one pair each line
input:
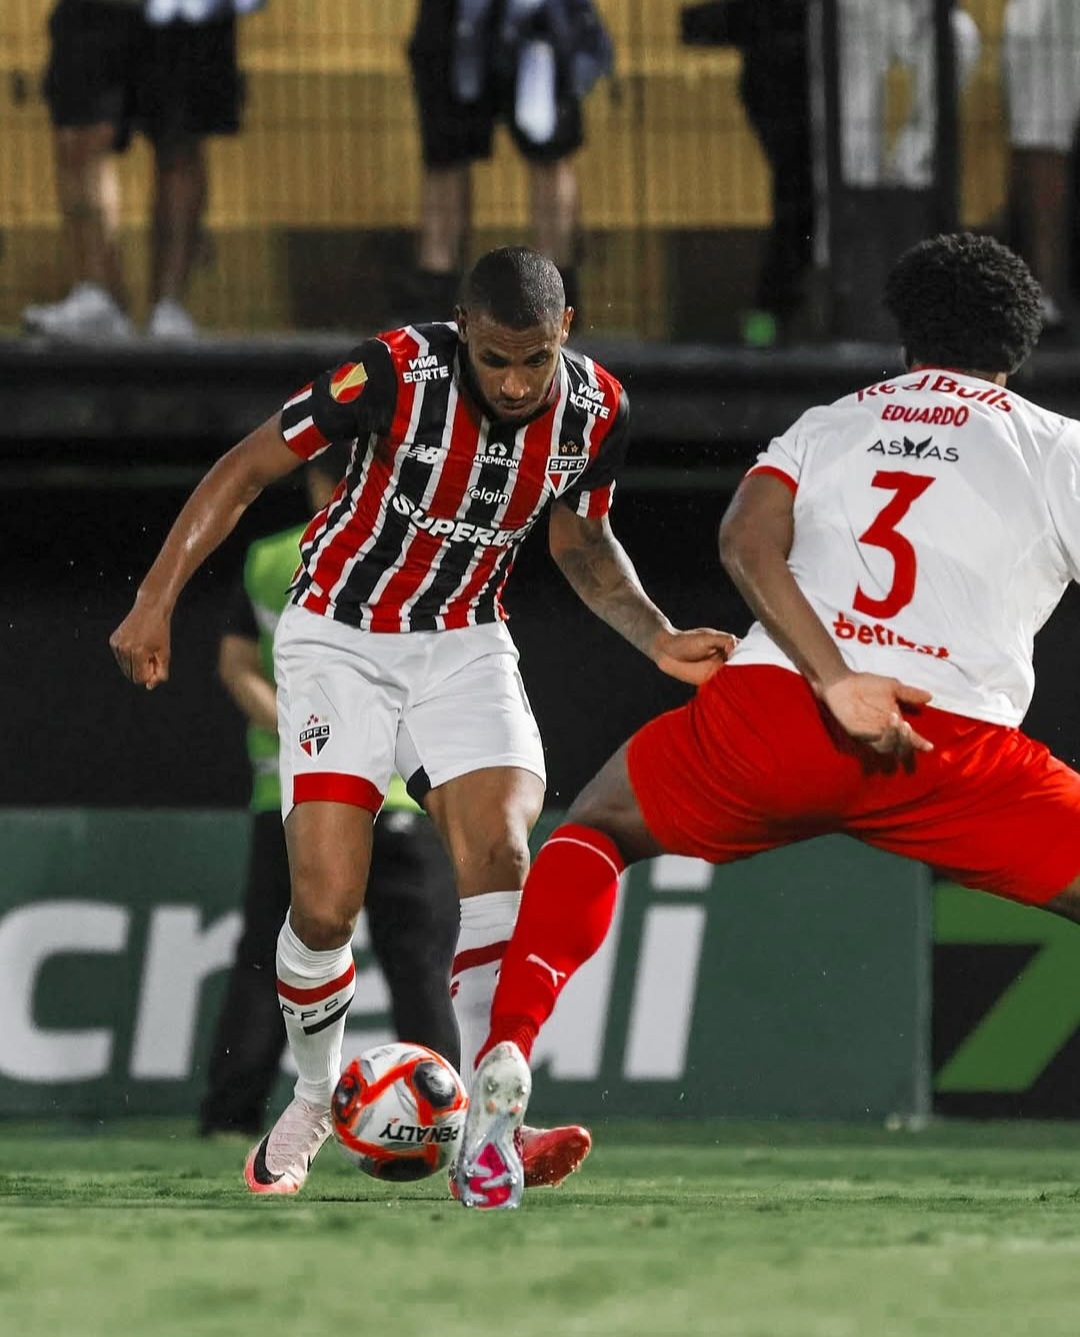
[937,525]
[423,530]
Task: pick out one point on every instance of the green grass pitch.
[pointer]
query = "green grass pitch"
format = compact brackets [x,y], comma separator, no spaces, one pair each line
[721,1229]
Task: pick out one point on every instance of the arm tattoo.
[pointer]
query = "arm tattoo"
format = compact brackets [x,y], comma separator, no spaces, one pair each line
[603,577]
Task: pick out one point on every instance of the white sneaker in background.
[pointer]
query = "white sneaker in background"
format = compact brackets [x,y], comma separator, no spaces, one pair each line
[281,1161]
[169,320]
[87,313]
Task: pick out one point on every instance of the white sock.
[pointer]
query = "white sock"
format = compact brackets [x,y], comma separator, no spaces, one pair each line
[314,990]
[486,924]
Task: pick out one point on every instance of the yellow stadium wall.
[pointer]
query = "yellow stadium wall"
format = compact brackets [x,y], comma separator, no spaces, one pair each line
[330,144]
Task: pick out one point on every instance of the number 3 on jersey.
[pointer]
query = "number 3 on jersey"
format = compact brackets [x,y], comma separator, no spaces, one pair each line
[882,533]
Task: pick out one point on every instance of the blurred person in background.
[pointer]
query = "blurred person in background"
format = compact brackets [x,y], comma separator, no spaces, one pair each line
[899,548]
[1041,71]
[774,87]
[411,904]
[772,38]
[166,68]
[526,64]
[873,38]
[393,653]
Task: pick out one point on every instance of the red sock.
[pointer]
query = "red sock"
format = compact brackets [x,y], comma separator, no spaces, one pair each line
[566,911]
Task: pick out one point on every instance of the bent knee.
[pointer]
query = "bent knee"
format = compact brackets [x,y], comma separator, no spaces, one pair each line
[606,808]
[322,928]
[323,915]
[505,858]
[592,809]
[614,812]
[493,865]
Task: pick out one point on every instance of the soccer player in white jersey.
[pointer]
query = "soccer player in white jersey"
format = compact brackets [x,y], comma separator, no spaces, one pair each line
[899,548]
[393,655]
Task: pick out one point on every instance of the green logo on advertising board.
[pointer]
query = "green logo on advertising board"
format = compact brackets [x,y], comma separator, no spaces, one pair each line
[1016,1039]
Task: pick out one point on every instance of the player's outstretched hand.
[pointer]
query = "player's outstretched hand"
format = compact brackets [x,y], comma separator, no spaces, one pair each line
[868,707]
[692,656]
[140,645]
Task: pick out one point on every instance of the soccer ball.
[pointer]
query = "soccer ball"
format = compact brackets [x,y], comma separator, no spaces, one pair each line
[398,1112]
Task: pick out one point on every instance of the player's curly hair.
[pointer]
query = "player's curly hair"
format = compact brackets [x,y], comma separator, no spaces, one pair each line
[965,301]
[517,286]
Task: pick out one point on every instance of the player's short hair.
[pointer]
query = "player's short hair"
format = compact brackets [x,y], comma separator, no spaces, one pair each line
[965,301]
[516,286]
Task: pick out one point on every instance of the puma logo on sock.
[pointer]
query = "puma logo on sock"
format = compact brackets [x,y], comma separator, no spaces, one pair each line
[556,975]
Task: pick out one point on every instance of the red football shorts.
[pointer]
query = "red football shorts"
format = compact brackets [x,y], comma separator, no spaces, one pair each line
[754,761]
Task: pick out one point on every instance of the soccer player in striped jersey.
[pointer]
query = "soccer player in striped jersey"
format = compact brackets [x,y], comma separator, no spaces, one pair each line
[393,654]
[411,904]
[899,548]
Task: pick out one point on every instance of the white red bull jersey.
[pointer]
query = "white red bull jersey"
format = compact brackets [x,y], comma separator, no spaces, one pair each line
[423,530]
[936,527]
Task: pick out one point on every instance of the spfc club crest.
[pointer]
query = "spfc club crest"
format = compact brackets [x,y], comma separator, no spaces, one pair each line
[565,463]
[315,735]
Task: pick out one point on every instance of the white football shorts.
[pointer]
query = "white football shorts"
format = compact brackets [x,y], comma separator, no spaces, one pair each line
[356,706]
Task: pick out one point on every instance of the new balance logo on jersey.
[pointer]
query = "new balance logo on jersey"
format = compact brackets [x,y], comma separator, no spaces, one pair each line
[427,368]
[915,450]
[556,975]
[426,454]
[592,401]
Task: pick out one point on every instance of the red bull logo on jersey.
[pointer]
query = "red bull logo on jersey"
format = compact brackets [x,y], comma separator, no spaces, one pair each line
[939,382]
[347,383]
[992,395]
[565,463]
[315,735]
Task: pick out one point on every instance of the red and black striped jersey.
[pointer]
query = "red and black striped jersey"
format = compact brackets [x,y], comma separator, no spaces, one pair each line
[423,530]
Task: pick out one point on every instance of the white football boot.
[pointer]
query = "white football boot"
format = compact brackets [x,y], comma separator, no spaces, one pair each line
[489,1172]
[281,1161]
[88,313]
